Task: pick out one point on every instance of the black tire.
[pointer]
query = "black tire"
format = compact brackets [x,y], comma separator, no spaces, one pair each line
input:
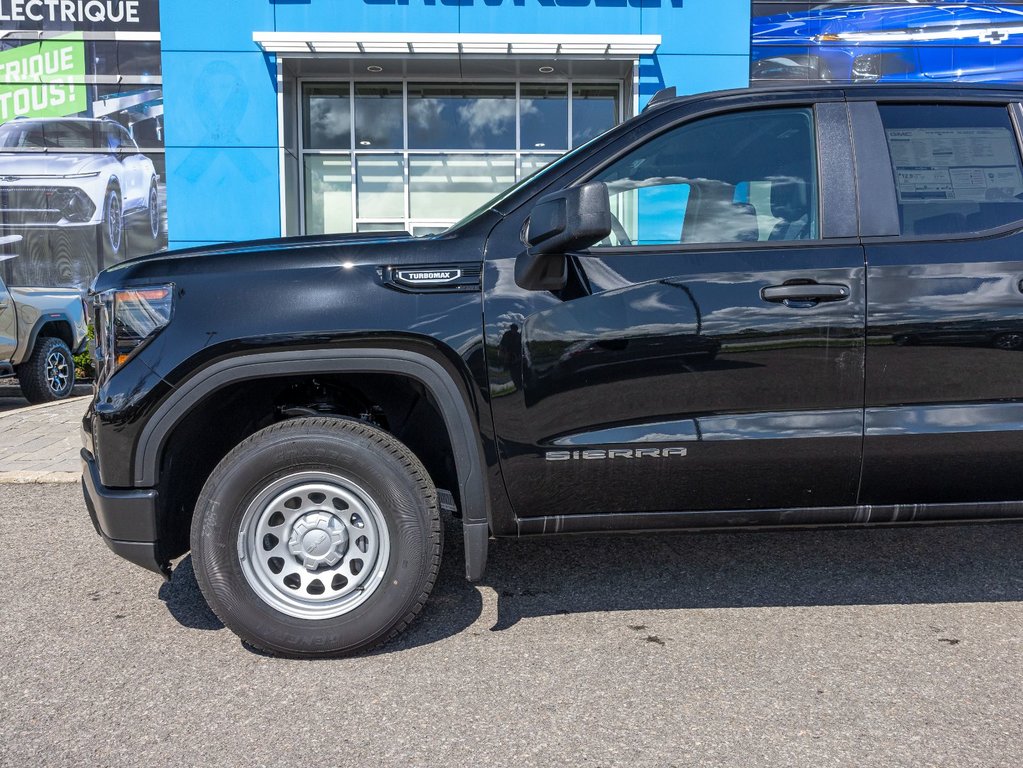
[49,372]
[111,229]
[390,474]
[1009,341]
[153,212]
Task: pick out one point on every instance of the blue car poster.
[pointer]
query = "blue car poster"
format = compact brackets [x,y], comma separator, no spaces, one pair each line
[872,42]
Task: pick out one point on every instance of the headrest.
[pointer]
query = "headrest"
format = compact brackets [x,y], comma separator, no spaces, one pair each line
[788,197]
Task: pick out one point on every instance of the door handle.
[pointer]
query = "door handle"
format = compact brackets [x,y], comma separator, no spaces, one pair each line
[804,293]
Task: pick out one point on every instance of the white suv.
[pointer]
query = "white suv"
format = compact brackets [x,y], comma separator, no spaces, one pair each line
[75,172]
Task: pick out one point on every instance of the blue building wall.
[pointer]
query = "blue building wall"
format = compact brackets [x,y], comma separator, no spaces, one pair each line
[220,89]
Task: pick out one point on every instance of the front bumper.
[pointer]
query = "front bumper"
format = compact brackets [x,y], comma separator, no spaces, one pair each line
[126,519]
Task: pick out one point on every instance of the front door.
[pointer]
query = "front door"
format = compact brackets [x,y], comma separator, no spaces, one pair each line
[708,356]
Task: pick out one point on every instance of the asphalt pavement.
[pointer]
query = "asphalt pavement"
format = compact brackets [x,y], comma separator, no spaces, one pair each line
[895,647]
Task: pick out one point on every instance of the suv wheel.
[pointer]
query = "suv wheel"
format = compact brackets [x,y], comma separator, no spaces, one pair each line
[1010,340]
[49,372]
[113,222]
[153,209]
[317,537]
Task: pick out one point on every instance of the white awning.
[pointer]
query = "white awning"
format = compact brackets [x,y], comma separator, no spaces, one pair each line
[411,44]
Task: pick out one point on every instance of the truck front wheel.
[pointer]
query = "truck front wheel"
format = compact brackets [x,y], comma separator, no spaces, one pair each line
[317,537]
[48,373]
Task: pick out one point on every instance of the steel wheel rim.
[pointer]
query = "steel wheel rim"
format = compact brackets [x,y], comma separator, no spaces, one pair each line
[57,372]
[313,545]
[154,213]
[1009,341]
[114,221]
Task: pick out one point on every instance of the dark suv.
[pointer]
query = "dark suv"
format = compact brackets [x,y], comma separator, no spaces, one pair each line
[697,320]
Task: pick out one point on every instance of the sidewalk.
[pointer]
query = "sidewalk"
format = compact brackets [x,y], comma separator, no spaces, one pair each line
[41,443]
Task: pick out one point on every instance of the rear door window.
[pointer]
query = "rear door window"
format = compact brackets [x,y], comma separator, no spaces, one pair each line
[956,168]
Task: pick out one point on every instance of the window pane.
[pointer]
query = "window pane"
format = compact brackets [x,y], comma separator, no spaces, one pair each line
[460,117]
[446,187]
[380,185]
[379,227]
[734,178]
[594,110]
[957,168]
[328,194]
[543,111]
[378,121]
[328,117]
[420,230]
[530,164]
[663,210]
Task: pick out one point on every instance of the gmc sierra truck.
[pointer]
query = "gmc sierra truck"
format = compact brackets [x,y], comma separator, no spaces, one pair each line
[697,320]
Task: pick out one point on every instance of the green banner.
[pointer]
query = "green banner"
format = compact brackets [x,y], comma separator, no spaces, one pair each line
[44,79]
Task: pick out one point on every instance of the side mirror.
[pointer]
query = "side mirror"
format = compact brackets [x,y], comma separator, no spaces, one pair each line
[559,223]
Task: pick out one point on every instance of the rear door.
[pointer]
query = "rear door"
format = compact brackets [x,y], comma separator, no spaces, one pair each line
[709,355]
[944,394]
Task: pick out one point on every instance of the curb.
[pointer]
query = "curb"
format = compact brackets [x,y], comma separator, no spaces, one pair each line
[30,477]
[41,406]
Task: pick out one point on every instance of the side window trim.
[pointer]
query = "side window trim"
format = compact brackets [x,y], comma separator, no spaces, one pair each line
[836,171]
[875,184]
[1016,117]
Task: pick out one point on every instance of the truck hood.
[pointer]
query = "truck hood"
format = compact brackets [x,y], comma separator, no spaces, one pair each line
[283,256]
[47,296]
[21,165]
[253,246]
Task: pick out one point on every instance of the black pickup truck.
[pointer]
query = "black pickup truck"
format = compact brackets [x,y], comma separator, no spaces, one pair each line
[755,308]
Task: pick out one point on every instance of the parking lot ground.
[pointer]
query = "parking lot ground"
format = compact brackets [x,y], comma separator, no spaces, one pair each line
[41,443]
[894,647]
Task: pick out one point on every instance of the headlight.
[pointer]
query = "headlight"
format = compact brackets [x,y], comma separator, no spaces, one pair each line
[871,67]
[73,203]
[126,319]
[867,69]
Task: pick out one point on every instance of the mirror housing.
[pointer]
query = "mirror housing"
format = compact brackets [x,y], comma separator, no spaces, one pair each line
[559,223]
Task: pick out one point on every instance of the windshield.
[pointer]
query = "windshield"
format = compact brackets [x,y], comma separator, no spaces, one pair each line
[36,134]
[546,170]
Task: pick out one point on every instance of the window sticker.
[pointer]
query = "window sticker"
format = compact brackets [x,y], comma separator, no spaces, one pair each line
[967,164]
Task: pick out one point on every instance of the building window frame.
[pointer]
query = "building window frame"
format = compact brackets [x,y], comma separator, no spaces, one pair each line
[353,152]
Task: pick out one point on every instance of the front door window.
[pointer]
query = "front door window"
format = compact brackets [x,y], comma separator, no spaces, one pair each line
[730,179]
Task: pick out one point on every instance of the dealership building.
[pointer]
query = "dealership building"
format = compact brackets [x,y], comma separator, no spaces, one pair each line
[363,115]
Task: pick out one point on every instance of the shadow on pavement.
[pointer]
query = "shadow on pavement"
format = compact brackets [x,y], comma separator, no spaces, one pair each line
[184,600]
[755,569]
[679,571]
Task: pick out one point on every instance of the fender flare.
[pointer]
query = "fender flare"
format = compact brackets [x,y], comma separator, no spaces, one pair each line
[453,402]
[23,354]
